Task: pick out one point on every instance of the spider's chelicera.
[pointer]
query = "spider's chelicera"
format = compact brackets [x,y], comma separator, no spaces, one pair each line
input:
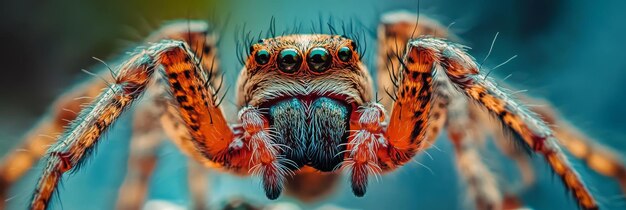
[306,105]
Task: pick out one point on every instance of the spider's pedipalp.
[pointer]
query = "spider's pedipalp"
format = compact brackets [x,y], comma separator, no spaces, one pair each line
[265,160]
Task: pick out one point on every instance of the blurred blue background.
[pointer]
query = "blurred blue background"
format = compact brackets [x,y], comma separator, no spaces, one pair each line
[569,52]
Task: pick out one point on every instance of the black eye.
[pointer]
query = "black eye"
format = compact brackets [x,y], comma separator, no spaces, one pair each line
[262,57]
[319,59]
[289,60]
[344,54]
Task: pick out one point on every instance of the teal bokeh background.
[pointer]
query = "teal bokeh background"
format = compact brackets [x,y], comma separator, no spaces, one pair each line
[569,52]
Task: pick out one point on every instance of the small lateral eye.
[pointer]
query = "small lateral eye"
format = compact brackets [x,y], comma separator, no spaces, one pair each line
[344,54]
[262,56]
[289,60]
[319,59]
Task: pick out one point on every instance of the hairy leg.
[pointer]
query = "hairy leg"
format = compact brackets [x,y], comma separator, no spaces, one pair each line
[394,31]
[533,133]
[131,80]
[250,147]
[147,136]
[372,148]
[595,155]
[34,145]
[482,186]
[148,132]
[598,157]
[78,141]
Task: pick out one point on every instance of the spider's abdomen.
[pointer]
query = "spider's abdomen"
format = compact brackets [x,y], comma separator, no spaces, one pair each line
[313,131]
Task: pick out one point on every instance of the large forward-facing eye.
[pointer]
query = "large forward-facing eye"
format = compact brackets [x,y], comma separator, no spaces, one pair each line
[344,54]
[262,57]
[289,60]
[319,59]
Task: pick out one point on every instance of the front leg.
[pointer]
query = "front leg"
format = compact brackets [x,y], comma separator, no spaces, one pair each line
[210,134]
[374,148]
[245,148]
[381,149]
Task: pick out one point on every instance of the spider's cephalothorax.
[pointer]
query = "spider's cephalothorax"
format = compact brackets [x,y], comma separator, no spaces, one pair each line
[306,106]
[307,86]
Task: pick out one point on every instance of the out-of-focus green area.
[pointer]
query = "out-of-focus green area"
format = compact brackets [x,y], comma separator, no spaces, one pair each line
[569,52]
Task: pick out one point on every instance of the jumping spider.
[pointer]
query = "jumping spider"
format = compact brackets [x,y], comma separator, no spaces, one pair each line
[307,103]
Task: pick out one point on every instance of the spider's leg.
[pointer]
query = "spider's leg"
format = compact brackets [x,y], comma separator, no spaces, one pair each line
[598,157]
[80,138]
[196,124]
[482,186]
[174,130]
[511,150]
[34,144]
[394,31]
[147,136]
[197,182]
[148,132]
[462,70]
[134,74]
[417,117]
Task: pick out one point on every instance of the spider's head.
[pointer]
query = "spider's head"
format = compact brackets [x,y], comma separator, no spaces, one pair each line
[304,67]
[309,86]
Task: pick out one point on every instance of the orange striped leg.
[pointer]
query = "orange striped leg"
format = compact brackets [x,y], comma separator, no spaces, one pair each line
[534,133]
[147,131]
[147,136]
[482,187]
[248,148]
[598,157]
[77,142]
[34,144]
[134,75]
[501,138]
[395,30]
[372,148]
